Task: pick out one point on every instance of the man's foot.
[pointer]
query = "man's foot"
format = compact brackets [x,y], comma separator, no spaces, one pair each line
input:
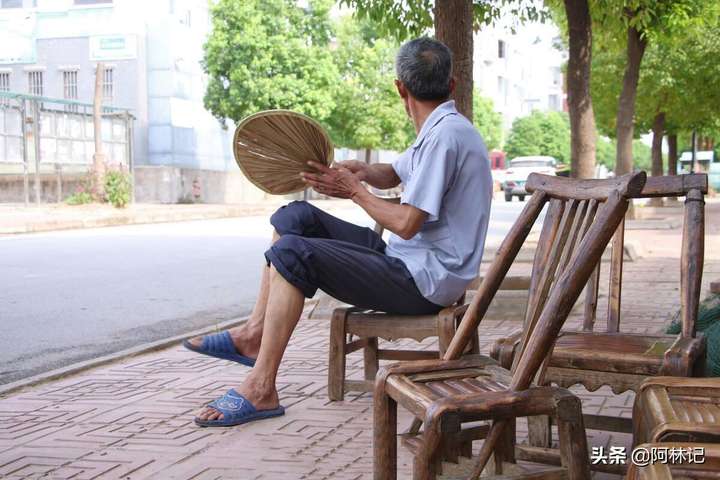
[260,396]
[246,340]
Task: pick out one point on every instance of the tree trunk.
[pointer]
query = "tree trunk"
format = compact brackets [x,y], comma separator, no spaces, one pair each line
[98,157]
[582,120]
[626,104]
[454,27]
[658,131]
[672,160]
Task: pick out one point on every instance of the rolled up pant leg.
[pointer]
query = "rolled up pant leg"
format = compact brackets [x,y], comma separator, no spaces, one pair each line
[349,272]
[306,220]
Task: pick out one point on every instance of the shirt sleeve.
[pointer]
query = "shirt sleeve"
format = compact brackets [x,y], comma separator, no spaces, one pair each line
[431,177]
[401,165]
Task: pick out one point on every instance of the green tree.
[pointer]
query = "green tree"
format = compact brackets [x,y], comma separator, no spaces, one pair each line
[540,133]
[368,112]
[265,54]
[487,121]
[453,21]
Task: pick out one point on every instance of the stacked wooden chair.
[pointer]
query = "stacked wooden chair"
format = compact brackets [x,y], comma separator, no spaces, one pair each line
[622,360]
[446,394]
[708,468]
[352,329]
[680,418]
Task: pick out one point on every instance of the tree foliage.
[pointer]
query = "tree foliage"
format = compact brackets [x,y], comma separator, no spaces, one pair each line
[403,19]
[540,133]
[368,111]
[265,54]
[606,153]
[487,121]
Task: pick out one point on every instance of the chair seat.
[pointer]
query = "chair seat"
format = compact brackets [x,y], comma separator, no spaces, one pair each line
[471,375]
[612,352]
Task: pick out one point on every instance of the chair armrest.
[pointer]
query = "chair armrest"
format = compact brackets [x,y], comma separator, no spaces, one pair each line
[682,355]
[510,404]
[503,349]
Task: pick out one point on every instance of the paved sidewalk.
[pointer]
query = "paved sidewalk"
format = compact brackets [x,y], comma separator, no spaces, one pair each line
[16,219]
[134,419]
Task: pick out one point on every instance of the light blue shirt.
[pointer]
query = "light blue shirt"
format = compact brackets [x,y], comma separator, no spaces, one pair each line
[445,173]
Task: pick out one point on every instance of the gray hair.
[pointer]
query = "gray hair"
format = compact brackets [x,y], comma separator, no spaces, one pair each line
[423,65]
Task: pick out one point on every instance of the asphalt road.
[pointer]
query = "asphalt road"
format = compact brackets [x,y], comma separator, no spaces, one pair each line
[74,295]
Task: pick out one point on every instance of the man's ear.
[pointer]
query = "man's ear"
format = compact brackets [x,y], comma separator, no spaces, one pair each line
[402,91]
[452,85]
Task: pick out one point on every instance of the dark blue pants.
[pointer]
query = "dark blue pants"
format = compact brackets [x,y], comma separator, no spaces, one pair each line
[348,262]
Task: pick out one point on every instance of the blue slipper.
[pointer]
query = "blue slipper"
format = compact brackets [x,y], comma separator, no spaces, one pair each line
[237,410]
[220,345]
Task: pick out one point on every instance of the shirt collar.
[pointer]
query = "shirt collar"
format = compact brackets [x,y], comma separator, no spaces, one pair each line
[440,112]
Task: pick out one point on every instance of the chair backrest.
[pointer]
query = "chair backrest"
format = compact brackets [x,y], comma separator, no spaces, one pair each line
[693,187]
[581,219]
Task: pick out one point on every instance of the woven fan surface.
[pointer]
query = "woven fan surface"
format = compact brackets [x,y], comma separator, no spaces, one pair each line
[273,147]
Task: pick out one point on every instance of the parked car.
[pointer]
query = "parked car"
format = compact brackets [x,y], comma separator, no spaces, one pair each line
[518,171]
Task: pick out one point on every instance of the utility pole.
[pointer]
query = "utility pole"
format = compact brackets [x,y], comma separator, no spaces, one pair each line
[98,157]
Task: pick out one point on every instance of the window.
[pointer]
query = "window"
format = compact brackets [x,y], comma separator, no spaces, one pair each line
[70,88]
[4,86]
[5,82]
[11,4]
[107,86]
[35,83]
[501,49]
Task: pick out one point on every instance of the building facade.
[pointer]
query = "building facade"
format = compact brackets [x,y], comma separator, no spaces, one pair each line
[151,51]
[520,71]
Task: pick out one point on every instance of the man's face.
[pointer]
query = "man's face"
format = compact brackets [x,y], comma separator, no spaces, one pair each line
[402,91]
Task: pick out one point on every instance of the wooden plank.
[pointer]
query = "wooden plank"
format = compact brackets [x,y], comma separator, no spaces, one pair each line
[692,255]
[551,456]
[629,185]
[616,271]
[401,355]
[674,185]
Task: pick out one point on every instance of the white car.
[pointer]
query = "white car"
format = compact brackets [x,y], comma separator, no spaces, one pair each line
[520,168]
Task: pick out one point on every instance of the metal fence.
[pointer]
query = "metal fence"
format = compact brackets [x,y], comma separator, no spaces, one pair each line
[41,137]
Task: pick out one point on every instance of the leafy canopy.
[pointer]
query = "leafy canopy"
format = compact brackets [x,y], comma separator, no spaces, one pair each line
[410,18]
[368,111]
[540,133]
[265,54]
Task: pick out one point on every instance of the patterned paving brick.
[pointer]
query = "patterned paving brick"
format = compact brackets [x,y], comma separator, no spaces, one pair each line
[134,419]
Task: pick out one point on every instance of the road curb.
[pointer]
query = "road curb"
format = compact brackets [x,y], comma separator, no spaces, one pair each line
[79,367]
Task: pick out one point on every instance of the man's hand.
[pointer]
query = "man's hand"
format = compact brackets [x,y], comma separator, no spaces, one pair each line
[355,166]
[335,182]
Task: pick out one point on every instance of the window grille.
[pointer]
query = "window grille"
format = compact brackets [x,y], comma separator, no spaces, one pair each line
[108,85]
[35,83]
[70,88]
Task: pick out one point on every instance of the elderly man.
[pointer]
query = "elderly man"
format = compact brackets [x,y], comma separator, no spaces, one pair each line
[438,234]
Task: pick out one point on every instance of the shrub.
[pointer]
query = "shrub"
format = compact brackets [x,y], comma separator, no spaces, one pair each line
[79,198]
[83,193]
[117,188]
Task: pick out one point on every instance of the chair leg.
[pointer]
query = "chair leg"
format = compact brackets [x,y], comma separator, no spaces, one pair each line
[573,440]
[446,331]
[505,448]
[540,431]
[370,357]
[384,437]
[336,360]
[427,460]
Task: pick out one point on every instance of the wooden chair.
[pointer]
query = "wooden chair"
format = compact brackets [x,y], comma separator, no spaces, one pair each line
[349,322]
[685,470]
[445,394]
[623,360]
[672,409]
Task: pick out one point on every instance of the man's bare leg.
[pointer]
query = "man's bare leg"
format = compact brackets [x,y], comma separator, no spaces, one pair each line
[284,307]
[247,337]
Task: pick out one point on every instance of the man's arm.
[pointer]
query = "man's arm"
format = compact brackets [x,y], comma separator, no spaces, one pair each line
[403,220]
[379,175]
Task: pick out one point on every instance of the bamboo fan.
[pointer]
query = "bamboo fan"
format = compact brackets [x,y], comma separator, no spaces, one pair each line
[273,147]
